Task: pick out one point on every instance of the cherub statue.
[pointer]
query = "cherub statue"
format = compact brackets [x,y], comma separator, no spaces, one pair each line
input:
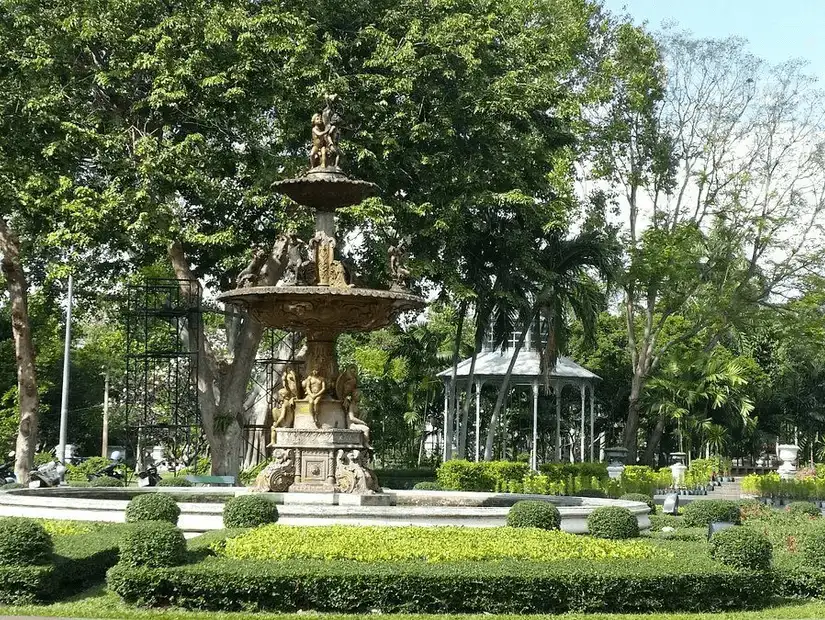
[315,387]
[346,388]
[318,154]
[249,276]
[295,261]
[323,249]
[398,273]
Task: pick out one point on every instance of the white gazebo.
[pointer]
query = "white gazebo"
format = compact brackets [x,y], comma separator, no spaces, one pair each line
[491,366]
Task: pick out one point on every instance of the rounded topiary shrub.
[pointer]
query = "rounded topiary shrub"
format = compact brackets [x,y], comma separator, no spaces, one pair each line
[152,507]
[23,542]
[804,508]
[426,486]
[640,497]
[742,547]
[813,547]
[175,481]
[249,511]
[705,512]
[153,544]
[612,522]
[534,513]
[106,481]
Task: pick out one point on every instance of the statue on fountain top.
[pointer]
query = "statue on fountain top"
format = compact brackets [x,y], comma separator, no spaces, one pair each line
[326,132]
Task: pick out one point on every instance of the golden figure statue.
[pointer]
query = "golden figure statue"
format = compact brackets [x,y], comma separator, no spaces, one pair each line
[325,135]
[346,388]
[315,387]
[323,247]
[398,273]
[291,382]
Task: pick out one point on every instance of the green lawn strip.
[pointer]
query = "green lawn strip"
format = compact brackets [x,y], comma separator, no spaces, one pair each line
[97,603]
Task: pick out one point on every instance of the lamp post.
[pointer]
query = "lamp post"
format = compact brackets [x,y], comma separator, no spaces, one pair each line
[64,397]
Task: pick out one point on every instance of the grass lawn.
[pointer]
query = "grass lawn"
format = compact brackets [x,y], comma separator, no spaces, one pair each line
[97,603]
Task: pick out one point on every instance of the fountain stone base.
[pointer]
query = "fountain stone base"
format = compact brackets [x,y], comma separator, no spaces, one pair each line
[319,460]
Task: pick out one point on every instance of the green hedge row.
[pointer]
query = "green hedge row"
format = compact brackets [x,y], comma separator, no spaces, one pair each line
[419,587]
[394,478]
[79,561]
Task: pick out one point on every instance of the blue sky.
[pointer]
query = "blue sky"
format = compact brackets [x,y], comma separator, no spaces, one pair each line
[776,30]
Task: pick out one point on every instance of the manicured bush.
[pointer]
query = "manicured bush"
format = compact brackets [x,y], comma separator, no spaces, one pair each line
[12,485]
[657,522]
[175,481]
[249,511]
[705,512]
[24,542]
[612,522]
[640,497]
[152,544]
[742,547]
[813,547]
[80,484]
[92,465]
[371,544]
[804,508]
[426,486]
[693,583]
[106,481]
[542,515]
[152,507]
[395,478]
[484,476]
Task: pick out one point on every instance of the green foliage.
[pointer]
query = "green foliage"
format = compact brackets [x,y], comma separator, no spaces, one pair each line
[490,476]
[152,544]
[106,481]
[201,467]
[152,507]
[89,466]
[804,508]
[657,522]
[248,476]
[694,583]
[813,547]
[249,511]
[541,515]
[591,493]
[612,522]
[430,544]
[404,478]
[704,512]
[639,497]
[12,485]
[743,548]
[24,542]
[427,486]
[174,481]
[771,485]
[644,480]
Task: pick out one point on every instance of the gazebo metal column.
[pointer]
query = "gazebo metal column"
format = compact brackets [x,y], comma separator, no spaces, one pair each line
[479,384]
[535,451]
[592,423]
[558,389]
[448,439]
[582,438]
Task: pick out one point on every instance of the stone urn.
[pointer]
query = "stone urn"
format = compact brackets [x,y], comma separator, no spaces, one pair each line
[678,468]
[787,454]
[615,458]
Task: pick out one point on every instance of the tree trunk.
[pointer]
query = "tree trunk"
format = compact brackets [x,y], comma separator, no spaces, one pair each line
[631,428]
[222,387]
[451,401]
[655,440]
[24,352]
[505,385]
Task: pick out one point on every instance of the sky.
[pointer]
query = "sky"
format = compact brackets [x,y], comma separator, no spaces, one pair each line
[777,30]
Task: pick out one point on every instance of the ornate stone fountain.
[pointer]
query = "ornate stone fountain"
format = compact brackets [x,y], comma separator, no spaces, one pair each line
[318,441]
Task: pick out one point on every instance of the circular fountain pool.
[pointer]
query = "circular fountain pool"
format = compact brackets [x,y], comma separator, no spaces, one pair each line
[201,508]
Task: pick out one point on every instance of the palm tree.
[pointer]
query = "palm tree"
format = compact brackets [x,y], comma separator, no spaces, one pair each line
[566,275]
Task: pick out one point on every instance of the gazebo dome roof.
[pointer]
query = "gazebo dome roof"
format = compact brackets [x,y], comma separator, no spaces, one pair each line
[491,366]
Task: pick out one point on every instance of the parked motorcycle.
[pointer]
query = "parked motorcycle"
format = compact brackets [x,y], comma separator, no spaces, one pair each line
[148,477]
[111,470]
[47,475]
[7,471]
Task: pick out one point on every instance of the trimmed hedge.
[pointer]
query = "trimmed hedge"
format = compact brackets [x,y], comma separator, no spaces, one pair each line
[106,481]
[742,547]
[24,542]
[12,485]
[484,476]
[426,486]
[641,497]
[612,522]
[152,544]
[403,479]
[705,512]
[813,548]
[804,508]
[175,481]
[249,511]
[79,561]
[541,515]
[214,584]
[153,507]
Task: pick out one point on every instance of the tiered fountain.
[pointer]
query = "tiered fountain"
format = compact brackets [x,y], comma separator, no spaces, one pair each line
[319,443]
